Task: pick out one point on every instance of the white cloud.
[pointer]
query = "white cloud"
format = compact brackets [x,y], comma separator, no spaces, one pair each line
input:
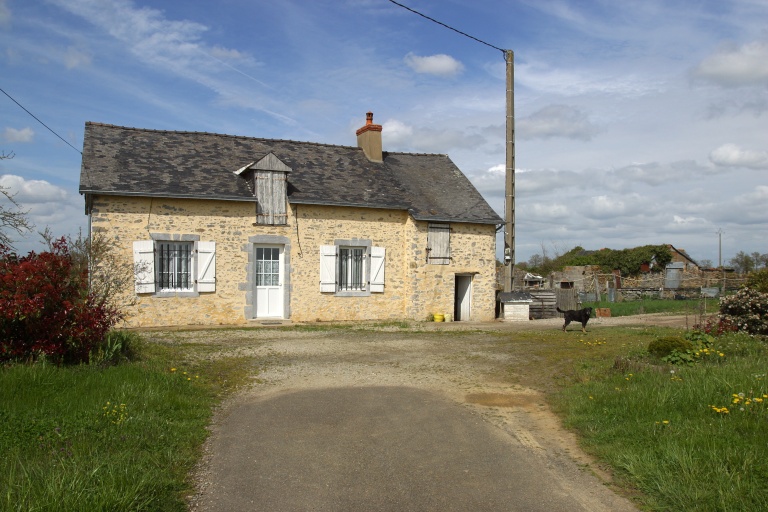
[731,155]
[547,181]
[735,66]
[5,14]
[757,198]
[21,136]
[440,64]
[228,54]
[498,170]
[396,133]
[47,206]
[545,211]
[76,57]
[28,192]
[445,140]
[167,45]
[568,83]
[556,121]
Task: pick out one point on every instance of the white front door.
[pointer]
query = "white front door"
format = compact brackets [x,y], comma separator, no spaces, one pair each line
[269,274]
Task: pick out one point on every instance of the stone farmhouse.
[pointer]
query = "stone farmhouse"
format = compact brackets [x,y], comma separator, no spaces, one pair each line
[229,230]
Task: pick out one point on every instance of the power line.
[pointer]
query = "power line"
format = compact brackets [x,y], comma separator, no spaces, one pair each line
[39,121]
[449,27]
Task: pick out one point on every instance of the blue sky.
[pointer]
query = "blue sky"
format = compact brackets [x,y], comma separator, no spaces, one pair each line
[636,122]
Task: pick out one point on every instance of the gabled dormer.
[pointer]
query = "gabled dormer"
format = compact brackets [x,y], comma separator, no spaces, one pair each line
[268,180]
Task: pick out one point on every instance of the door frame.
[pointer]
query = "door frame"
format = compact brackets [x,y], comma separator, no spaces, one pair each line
[249,285]
[280,287]
[459,300]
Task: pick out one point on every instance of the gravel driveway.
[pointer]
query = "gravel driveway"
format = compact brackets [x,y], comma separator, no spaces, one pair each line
[461,362]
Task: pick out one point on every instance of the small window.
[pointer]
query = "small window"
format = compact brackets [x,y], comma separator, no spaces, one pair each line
[267,266]
[351,269]
[173,265]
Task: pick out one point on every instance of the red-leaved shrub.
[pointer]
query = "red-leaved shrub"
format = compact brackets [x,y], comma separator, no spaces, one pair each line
[46,308]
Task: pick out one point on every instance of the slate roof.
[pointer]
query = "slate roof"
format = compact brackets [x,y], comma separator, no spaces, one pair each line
[155,163]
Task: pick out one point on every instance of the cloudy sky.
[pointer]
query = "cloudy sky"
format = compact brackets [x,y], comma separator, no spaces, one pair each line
[636,122]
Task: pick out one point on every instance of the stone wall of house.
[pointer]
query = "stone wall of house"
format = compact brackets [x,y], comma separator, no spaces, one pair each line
[432,287]
[323,225]
[228,223]
[413,289]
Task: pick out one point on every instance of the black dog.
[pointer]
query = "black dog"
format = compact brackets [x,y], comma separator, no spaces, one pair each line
[580,315]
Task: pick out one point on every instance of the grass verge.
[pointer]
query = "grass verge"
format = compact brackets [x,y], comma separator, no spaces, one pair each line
[649,306]
[119,437]
[689,438]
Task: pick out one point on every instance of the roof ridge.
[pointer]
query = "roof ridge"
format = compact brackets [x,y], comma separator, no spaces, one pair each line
[224,135]
[415,154]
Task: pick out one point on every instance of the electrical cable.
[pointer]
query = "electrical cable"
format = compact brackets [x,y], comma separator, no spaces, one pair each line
[449,27]
[39,121]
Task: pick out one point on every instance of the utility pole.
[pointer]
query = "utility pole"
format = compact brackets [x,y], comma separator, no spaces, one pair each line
[509,185]
[720,257]
[509,188]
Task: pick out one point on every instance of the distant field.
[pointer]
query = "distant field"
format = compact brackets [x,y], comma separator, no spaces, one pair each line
[644,307]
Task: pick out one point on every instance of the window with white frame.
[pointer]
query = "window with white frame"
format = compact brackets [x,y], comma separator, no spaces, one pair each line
[352,268]
[174,267]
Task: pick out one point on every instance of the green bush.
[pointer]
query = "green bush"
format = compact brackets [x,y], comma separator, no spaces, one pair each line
[117,347]
[758,281]
[664,346]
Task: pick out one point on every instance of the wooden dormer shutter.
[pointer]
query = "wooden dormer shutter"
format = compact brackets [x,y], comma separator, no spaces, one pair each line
[439,244]
[270,187]
[271,190]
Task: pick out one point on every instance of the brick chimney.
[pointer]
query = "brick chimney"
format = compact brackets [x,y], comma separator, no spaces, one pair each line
[369,139]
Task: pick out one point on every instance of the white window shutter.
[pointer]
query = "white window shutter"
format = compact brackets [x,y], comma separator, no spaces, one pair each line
[377,269]
[328,268]
[206,266]
[144,265]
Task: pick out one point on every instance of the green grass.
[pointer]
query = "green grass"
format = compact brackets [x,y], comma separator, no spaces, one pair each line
[648,306]
[662,432]
[126,437]
[120,437]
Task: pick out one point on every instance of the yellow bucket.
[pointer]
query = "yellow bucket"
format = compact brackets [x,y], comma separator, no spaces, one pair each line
[438,318]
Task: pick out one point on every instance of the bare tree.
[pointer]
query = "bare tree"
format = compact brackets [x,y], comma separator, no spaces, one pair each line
[12,218]
[110,276]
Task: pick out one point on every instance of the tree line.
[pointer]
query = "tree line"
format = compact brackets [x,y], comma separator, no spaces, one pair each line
[630,262]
